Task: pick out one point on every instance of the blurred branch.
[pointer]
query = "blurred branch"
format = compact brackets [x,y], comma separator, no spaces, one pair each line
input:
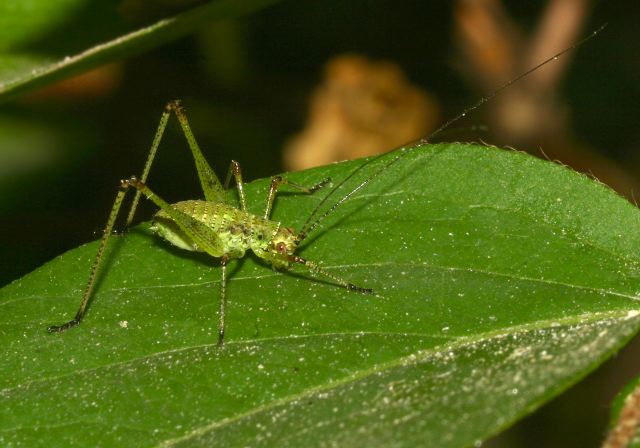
[627,424]
[531,114]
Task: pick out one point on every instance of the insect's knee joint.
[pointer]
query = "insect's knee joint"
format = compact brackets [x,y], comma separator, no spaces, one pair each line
[175,105]
[133,181]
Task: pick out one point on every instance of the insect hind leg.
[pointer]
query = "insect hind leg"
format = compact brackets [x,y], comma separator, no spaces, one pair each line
[113,215]
[211,186]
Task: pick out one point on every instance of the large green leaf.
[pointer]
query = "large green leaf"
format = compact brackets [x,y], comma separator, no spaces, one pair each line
[45,40]
[499,281]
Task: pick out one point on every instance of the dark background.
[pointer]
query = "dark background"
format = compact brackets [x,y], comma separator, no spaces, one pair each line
[246,84]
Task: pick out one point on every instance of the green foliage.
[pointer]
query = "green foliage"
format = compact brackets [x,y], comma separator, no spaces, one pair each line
[499,281]
[43,40]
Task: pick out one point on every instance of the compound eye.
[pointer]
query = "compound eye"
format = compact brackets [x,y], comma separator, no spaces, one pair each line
[281,247]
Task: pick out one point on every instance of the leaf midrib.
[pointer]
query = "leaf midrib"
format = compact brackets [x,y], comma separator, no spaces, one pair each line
[455,342]
[357,266]
[411,359]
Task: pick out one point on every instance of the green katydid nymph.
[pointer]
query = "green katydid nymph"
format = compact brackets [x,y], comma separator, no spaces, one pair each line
[223,230]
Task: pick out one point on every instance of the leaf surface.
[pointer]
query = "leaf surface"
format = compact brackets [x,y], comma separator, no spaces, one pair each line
[499,281]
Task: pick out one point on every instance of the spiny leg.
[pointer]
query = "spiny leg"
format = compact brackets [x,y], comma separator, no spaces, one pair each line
[203,236]
[277,181]
[95,267]
[223,299]
[213,190]
[234,170]
[147,166]
[211,187]
[316,269]
[209,182]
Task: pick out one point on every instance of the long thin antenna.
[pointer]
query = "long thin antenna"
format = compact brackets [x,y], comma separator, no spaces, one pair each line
[307,228]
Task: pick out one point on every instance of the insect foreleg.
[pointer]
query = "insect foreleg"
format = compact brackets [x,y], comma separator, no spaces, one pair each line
[277,181]
[316,269]
[94,268]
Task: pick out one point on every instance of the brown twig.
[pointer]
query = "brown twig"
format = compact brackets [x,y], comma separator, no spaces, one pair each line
[628,423]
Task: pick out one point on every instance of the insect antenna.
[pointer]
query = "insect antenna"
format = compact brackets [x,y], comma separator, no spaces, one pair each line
[309,225]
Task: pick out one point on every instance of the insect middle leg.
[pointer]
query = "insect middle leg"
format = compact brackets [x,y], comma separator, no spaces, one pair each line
[223,299]
[276,182]
[205,238]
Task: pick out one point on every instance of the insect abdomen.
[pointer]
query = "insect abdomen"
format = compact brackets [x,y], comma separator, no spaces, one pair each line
[233,227]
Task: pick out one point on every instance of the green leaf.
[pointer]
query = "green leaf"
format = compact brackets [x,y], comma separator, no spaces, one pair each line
[499,280]
[42,41]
